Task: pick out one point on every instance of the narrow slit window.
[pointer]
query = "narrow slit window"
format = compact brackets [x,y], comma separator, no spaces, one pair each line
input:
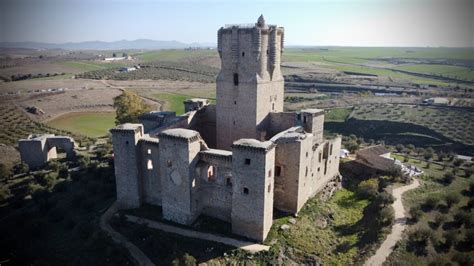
[270,173]
[228,181]
[277,170]
[149,165]
[269,188]
[236,79]
[168,163]
[243,54]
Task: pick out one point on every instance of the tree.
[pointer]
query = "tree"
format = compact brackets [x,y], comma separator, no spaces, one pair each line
[129,106]
[114,55]
[352,146]
[368,188]
[399,147]
[427,155]
[410,148]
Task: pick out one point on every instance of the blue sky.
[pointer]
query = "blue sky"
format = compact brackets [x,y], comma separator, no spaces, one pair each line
[318,22]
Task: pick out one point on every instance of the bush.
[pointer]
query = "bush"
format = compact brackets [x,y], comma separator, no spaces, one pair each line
[5,171]
[416,213]
[452,198]
[419,236]
[448,177]
[431,202]
[458,162]
[4,193]
[185,260]
[469,171]
[63,172]
[21,168]
[451,237]
[386,216]
[385,198]
[439,219]
[368,188]
[53,165]
[463,258]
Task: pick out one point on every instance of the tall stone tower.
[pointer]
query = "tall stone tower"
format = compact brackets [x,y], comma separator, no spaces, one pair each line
[250,83]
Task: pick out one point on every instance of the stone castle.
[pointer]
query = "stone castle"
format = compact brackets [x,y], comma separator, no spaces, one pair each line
[238,160]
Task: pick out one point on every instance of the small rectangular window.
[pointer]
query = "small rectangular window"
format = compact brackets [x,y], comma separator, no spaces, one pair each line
[246,191]
[148,151]
[236,79]
[277,170]
[320,155]
[211,173]
[247,161]
[270,173]
[269,188]
[168,163]
[149,165]
[228,182]
[330,150]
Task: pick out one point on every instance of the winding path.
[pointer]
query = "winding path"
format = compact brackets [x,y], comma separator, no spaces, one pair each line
[397,229]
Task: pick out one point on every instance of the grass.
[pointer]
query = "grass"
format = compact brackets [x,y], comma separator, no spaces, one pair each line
[90,124]
[341,243]
[444,70]
[173,102]
[337,114]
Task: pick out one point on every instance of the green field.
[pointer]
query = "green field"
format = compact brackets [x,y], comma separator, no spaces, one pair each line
[337,114]
[90,124]
[442,70]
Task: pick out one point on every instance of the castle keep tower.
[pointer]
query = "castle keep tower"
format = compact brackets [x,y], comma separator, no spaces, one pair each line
[250,83]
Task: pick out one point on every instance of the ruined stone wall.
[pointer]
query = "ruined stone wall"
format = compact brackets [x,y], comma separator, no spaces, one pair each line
[129,185]
[149,170]
[33,152]
[215,191]
[252,199]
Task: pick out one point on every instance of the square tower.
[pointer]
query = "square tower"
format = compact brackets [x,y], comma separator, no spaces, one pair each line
[250,84]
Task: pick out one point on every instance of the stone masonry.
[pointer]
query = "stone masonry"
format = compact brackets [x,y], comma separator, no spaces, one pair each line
[36,150]
[238,160]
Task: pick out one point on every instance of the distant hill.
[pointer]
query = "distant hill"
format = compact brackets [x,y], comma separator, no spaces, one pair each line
[99,45]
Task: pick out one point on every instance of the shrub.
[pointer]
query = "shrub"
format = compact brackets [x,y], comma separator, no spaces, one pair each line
[63,172]
[419,235]
[452,198]
[463,258]
[399,147]
[53,165]
[368,188]
[386,216]
[415,213]
[431,202]
[458,162]
[5,171]
[21,168]
[469,171]
[439,219]
[448,177]
[451,237]
[385,198]
[4,193]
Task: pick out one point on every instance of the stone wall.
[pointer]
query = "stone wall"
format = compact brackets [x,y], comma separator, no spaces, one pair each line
[252,198]
[35,151]
[126,164]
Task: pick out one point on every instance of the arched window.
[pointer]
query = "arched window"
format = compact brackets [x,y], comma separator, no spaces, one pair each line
[211,173]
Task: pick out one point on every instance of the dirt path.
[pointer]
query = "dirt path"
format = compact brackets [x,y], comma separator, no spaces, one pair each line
[137,255]
[397,229]
[248,246]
